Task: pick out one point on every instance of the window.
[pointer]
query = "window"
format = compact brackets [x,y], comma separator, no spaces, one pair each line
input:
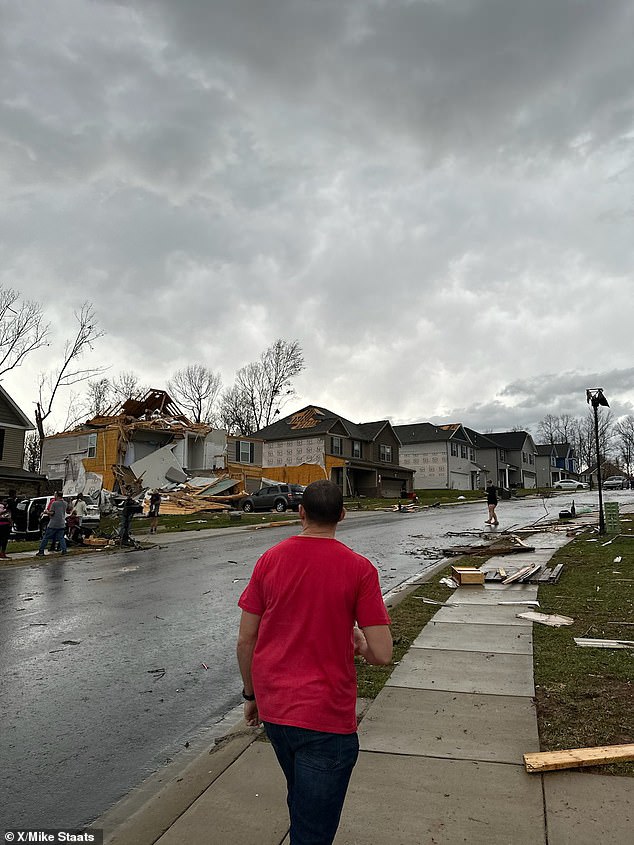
[454,450]
[502,455]
[531,458]
[385,453]
[336,444]
[245,452]
[524,458]
[472,455]
[356,448]
[92,445]
[463,451]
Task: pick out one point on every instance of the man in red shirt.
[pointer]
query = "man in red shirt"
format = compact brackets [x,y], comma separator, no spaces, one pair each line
[296,648]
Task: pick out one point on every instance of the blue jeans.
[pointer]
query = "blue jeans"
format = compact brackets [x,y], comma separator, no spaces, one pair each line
[56,535]
[317,767]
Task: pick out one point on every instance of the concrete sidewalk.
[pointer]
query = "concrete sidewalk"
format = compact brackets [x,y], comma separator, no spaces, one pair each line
[440,762]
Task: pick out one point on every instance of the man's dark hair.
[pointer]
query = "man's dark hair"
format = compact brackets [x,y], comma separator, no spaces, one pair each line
[323,502]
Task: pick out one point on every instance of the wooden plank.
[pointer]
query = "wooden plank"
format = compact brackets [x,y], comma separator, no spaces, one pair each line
[516,575]
[548,761]
[588,642]
[530,572]
[545,575]
[556,575]
[552,619]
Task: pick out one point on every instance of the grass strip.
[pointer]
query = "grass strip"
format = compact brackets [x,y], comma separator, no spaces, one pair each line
[584,695]
[409,617]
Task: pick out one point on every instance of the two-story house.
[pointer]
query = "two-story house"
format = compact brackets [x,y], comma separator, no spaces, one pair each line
[520,453]
[491,459]
[14,425]
[443,457]
[313,443]
[555,461]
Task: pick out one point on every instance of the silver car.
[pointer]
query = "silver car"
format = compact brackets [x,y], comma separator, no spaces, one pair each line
[616,482]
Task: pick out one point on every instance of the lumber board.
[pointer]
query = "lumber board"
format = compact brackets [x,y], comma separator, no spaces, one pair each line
[572,758]
[556,573]
[587,642]
[545,576]
[516,575]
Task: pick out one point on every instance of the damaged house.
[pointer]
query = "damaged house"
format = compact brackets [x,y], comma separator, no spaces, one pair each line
[315,443]
[149,438]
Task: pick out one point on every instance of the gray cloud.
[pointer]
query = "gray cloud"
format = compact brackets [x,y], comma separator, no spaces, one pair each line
[433,198]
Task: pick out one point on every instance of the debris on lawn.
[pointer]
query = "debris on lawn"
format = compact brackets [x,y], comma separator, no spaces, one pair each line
[449,582]
[551,619]
[572,758]
[467,575]
[588,642]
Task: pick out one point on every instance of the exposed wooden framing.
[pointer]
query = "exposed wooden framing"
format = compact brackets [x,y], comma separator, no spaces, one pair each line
[572,758]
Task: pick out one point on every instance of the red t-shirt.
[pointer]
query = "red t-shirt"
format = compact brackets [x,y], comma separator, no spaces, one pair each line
[308,592]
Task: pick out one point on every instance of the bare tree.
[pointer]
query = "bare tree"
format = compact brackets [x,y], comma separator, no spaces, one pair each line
[22,329]
[69,372]
[584,439]
[265,385]
[558,429]
[99,397]
[196,389]
[624,437]
[235,412]
[126,386]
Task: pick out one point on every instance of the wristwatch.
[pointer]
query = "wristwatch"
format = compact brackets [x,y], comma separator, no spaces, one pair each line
[247,697]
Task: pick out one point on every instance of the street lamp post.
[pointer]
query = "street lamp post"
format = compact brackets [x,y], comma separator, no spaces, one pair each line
[595,397]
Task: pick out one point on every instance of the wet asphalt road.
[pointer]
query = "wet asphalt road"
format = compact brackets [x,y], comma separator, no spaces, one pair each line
[101,658]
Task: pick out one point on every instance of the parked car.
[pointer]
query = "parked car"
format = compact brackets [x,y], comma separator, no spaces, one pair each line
[279,497]
[570,484]
[616,482]
[31,520]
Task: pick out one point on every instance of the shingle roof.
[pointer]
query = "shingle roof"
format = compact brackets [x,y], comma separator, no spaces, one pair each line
[312,420]
[481,441]
[426,432]
[511,440]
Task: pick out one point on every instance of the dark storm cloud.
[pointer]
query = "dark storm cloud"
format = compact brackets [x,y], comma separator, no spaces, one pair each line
[433,197]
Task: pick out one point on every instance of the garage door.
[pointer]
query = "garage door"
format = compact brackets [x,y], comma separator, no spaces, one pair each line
[460,481]
[391,487]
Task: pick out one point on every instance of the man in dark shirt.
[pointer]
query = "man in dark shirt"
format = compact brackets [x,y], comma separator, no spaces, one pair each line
[56,528]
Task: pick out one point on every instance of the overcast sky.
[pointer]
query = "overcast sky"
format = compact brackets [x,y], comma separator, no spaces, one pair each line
[434,197]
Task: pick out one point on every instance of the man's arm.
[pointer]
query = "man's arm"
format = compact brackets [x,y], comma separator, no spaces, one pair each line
[374,644]
[247,638]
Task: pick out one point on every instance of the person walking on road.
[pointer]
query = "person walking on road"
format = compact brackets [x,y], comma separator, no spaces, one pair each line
[296,647]
[492,500]
[56,528]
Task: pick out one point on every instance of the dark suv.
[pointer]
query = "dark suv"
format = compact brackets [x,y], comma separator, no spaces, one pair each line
[279,497]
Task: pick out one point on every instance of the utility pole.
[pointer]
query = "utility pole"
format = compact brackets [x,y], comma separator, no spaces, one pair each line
[595,397]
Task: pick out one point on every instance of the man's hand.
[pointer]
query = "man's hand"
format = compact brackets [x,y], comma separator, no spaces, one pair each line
[251,715]
[360,642]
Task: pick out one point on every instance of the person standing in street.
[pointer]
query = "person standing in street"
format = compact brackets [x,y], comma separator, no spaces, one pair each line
[296,647]
[5,528]
[153,512]
[80,509]
[492,500]
[56,528]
